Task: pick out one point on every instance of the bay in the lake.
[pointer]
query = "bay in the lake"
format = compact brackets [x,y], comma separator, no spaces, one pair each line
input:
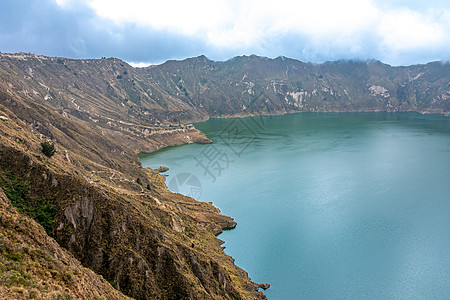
[328,206]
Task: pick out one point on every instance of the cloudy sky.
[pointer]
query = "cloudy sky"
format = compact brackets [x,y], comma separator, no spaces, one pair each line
[398,32]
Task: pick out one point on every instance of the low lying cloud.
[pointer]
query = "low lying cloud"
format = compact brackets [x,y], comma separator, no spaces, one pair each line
[396,32]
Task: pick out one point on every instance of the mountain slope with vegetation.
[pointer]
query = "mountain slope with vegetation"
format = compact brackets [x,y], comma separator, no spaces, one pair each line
[96,201]
[249,85]
[34,266]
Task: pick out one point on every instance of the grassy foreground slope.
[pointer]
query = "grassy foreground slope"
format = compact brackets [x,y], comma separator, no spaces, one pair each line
[34,266]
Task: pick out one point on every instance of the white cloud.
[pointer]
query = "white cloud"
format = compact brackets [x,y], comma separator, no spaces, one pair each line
[242,22]
[139,64]
[404,30]
[61,2]
[188,17]
[68,4]
[318,27]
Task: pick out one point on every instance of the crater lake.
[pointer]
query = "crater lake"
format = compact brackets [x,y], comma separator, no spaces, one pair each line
[328,205]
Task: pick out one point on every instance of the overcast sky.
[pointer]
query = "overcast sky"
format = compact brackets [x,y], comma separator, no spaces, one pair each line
[398,32]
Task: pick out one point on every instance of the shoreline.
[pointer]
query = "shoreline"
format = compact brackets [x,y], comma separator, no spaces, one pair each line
[209,141]
[240,116]
[232,226]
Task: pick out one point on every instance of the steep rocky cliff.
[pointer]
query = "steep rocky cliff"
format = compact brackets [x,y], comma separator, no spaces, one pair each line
[34,266]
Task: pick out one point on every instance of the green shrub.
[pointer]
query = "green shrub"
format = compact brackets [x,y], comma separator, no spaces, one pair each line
[112,283]
[48,148]
[13,278]
[42,211]
[138,181]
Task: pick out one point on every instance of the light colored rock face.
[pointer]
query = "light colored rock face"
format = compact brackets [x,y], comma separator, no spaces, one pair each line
[81,213]
[250,86]
[376,90]
[176,223]
[298,98]
[3,199]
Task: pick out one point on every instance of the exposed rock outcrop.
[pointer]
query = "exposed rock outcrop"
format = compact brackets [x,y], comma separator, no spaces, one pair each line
[263,286]
[163,169]
[34,266]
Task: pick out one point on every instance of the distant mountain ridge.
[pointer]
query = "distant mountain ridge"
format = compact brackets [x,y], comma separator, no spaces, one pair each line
[197,88]
[247,85]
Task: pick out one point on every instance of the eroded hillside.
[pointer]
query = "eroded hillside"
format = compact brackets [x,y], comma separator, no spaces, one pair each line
[144,102]
[145,240]
[34,266]
[249,85]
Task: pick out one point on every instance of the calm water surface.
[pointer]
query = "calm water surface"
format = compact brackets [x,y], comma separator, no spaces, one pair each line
[328,206]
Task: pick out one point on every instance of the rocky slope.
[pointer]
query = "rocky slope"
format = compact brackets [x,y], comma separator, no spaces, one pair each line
[249,85]
[144,102]
[115,99]
[34,266]
[145,240]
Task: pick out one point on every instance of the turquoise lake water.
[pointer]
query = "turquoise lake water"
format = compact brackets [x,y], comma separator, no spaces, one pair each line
[328,206]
